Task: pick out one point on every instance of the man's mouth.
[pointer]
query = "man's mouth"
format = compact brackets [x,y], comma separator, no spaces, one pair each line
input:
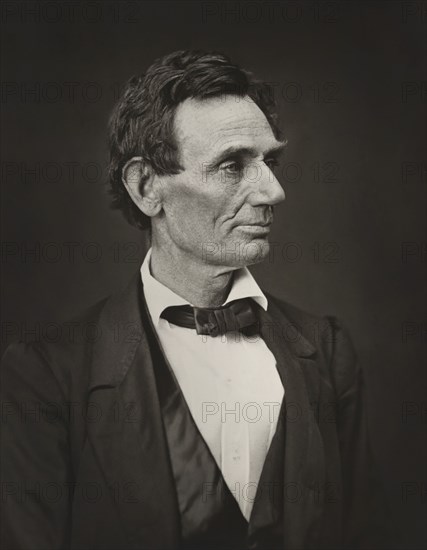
[260,227]
[258,224]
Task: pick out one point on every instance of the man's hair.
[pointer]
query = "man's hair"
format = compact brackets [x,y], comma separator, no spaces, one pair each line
[142,122]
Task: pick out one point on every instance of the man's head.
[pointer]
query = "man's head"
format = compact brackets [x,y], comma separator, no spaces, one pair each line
[193,145]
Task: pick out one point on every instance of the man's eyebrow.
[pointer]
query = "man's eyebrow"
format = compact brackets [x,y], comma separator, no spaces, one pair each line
[238,151]
[276,150]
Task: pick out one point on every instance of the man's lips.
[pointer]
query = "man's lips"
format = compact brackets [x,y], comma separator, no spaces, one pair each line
[257,224]
[260,227]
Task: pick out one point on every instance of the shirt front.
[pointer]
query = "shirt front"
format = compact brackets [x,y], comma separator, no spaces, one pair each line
[230,383]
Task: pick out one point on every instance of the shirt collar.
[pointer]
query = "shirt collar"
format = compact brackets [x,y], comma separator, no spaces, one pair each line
[159,297]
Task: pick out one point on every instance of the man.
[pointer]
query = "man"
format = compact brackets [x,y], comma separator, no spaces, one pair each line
[205,414]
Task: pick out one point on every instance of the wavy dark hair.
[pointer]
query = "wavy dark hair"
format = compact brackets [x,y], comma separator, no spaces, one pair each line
[142,122]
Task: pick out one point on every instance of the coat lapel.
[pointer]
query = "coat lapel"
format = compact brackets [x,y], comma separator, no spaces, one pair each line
[128,437]
[304,453]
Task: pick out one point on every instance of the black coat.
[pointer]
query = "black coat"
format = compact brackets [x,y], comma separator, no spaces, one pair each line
[85,463]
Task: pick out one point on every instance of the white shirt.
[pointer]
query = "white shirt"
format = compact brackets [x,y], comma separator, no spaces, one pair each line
[230,383]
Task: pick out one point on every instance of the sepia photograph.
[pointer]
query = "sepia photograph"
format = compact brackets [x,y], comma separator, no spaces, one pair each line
[213,275]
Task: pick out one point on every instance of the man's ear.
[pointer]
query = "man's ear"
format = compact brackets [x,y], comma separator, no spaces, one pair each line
[138,178]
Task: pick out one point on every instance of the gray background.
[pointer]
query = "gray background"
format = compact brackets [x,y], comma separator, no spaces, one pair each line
[352,94]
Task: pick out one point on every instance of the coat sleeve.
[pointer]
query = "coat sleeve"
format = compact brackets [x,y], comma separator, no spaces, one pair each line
[35,469]
[367,521]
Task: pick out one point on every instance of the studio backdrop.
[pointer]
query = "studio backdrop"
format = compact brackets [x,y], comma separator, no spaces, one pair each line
[350,239]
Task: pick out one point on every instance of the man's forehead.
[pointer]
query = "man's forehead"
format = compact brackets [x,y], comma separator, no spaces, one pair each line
[215,123]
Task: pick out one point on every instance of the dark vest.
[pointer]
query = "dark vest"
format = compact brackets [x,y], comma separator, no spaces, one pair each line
[210,515]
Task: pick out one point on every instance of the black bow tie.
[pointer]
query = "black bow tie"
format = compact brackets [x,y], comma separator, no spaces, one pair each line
[236,315]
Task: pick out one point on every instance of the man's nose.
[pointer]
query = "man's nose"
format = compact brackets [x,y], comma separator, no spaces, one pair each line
[267,190]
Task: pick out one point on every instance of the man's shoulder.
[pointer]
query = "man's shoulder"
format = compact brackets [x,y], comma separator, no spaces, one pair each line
[293,312]
[317,329]
[326,335]
[61,351]
[66,351]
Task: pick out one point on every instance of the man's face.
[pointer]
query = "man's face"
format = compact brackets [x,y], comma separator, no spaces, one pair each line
[219,208]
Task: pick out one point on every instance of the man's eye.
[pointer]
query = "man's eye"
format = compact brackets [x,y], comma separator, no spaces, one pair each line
[232,167]
[271,163]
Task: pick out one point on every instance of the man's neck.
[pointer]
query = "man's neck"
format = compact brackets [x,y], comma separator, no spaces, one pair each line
[200,284]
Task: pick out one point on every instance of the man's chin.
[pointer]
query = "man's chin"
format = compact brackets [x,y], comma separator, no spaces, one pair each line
[252,246]
[255,251]
[246,252]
